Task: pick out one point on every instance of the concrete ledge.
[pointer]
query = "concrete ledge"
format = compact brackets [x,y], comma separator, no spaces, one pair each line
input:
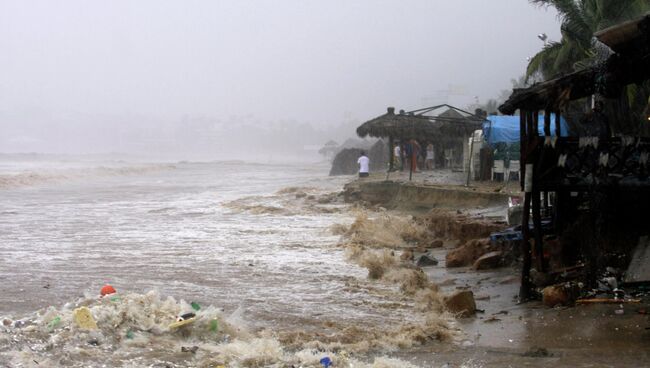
[400,195]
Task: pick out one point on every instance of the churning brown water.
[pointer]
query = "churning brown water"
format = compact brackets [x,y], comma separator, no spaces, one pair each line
[252,244]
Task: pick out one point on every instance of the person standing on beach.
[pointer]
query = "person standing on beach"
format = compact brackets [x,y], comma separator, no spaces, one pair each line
[429,160]
[397,157]
[364,165]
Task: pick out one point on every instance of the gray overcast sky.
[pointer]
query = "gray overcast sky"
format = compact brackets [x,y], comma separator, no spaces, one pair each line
[312,61]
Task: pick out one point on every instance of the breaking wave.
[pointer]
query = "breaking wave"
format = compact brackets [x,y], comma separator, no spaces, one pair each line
[288,202]
[31,178]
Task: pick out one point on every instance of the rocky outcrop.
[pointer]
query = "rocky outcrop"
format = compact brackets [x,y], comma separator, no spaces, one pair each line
[560,294]
[426,260]
[436,243]
[345,162]
[488,261]
[467,253]
[461,303]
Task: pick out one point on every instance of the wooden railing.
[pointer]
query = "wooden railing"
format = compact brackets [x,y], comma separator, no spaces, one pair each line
[581,163]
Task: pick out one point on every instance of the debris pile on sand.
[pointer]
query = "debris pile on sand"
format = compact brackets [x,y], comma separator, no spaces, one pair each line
[467,253]
[458,227]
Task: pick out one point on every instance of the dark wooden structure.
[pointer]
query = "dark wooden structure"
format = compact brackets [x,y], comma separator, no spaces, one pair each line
[567,165]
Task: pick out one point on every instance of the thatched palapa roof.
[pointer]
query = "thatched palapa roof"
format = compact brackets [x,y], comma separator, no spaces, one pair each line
[415,124]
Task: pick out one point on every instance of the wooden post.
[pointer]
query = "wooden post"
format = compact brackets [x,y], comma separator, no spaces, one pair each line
[391,153]
[525,287]
[558,126]
[522,145]
[535,195]
[537,228]
[390,157]
[411,162]
[469,162]
[524,290]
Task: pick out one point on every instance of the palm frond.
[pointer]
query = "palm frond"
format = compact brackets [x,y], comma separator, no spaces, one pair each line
[543,61]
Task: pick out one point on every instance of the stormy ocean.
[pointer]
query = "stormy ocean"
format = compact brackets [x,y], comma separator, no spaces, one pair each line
[253,246]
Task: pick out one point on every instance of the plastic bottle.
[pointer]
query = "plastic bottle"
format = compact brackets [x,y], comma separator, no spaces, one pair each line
[54,322]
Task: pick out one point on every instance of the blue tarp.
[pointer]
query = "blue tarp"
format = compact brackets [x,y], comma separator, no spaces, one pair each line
[505,128]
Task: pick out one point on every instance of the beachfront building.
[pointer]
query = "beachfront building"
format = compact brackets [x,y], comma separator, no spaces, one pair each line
[448,131]
[587,194]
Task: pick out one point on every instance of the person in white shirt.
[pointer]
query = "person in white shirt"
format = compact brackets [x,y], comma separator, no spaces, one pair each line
[429,159]
[397,157]
[364,165]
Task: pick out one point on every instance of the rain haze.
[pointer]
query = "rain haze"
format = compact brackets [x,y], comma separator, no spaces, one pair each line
[210,78]
[348,183]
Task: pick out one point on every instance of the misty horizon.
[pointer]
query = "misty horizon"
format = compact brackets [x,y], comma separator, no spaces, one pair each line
[214,77]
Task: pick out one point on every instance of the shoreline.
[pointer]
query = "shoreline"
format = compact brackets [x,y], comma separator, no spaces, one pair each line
[504,332]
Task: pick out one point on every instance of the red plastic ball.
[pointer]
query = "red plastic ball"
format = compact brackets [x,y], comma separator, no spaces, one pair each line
[107,290]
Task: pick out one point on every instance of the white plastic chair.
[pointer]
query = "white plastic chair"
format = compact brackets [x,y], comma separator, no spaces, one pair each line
[498,168]
[514,167]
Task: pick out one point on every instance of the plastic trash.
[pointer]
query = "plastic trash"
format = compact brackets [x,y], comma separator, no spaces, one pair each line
[129,334]
[115,299]
[326,362]
[84,319]
[186,316]
[195,306]
[107,290]
[619,294]
[184,319]
[54,322]
[214,325]
[187,349]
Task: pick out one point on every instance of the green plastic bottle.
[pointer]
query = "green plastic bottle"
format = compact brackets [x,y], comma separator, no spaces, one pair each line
[54,322]
[214,325]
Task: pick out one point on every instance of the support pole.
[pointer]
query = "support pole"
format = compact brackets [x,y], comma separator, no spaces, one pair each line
[537,229]
[390,156]
[524,290]
[411,161]
[535,196]
[469,161]
[525,286]
[522,145]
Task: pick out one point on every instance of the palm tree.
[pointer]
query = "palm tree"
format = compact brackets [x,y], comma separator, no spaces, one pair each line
[580,19]
[578,49]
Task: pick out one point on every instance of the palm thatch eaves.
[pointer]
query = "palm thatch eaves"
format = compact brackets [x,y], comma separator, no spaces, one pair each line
[416,125]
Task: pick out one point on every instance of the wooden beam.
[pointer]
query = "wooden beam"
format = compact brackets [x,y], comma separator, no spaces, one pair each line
[526,286]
